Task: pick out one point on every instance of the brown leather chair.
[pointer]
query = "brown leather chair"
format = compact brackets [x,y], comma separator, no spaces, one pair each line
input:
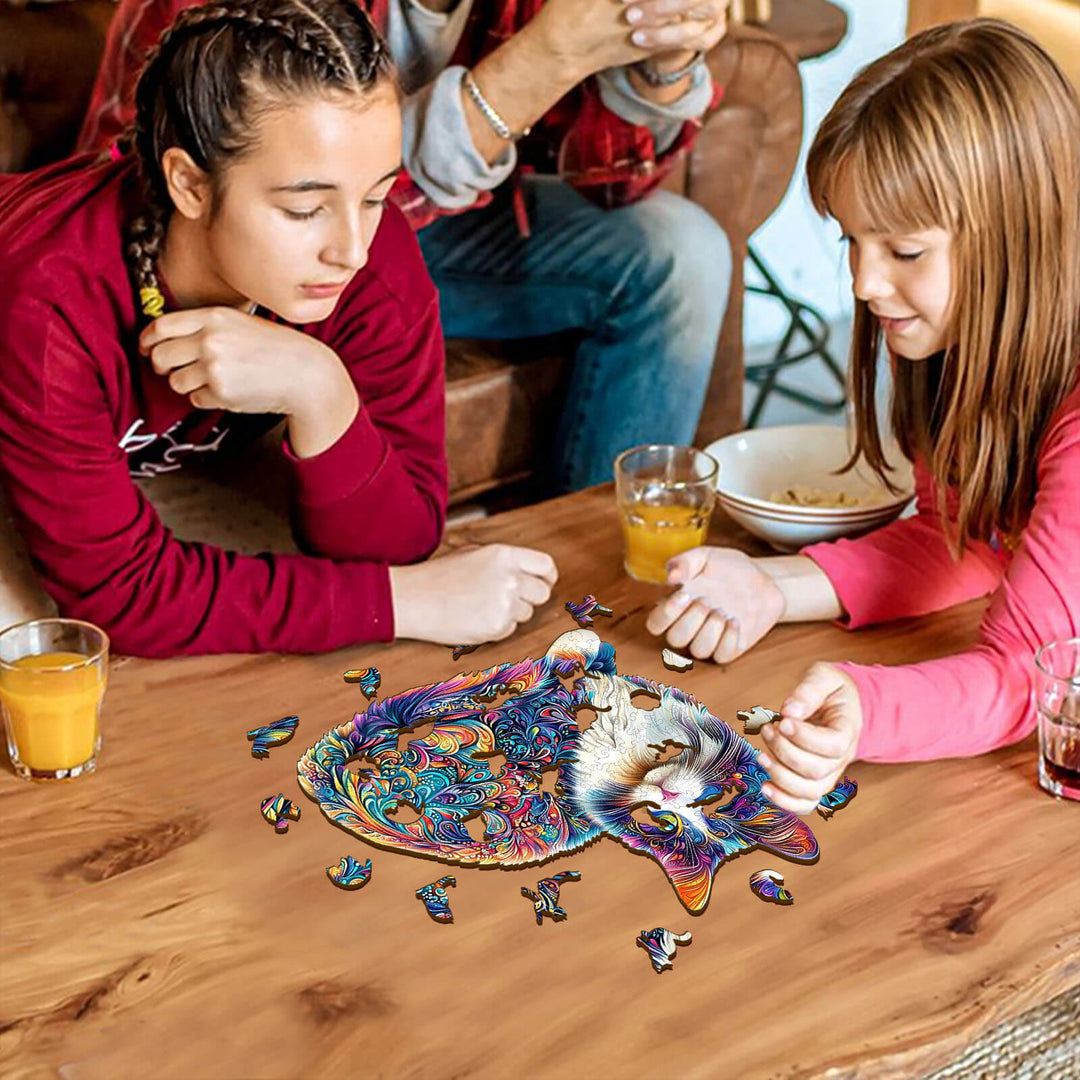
[502,398]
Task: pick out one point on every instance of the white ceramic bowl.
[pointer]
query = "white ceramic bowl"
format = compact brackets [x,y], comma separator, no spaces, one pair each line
[756,464]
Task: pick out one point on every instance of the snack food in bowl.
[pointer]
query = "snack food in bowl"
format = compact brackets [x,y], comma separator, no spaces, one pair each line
[782,485]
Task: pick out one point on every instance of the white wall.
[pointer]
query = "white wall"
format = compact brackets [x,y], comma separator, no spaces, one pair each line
[802,250]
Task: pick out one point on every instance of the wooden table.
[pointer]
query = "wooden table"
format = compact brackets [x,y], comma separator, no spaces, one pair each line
[154,926]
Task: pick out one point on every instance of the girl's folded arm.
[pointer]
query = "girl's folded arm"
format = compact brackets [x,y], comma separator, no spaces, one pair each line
[380,491]
[104,555]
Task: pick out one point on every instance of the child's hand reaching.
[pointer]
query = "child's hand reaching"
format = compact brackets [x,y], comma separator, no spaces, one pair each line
[725,605]
[807,752]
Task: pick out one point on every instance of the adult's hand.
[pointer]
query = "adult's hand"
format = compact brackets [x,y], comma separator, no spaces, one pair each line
[673,31]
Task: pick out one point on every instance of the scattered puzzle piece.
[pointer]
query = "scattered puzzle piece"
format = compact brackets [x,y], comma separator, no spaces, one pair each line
[546,898]
[584,611]
[368,678]
[839,797]
[768,884]
[660,945]
[278,732]
[350,873]
[674,662]
[435,899]
[461,650]
[277,810]
[756,718]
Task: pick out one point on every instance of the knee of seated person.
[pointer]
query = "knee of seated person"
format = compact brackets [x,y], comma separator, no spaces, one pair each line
[686,245]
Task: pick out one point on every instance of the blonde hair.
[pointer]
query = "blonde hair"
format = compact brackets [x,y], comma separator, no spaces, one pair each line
[971,128]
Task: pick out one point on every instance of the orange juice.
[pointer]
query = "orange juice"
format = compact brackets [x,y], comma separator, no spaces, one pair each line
[51,714]
[654,534]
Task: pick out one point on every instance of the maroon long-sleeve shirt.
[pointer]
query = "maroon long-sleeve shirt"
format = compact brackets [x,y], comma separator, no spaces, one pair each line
[81,412]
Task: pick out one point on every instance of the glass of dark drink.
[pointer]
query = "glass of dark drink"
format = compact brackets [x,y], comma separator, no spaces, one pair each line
[1057,698]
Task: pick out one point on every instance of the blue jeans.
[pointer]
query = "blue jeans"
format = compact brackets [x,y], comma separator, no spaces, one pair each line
[647,284]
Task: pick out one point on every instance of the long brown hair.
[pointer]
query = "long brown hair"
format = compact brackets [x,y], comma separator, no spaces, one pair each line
[203,86]
[971,128]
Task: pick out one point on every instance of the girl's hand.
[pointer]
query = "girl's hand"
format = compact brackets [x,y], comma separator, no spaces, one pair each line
[725,604]
[674,30]
[471,597]
[221,358]
[808,750]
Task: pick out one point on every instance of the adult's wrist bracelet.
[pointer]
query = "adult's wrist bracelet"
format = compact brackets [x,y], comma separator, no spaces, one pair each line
[487,110]
[667,78]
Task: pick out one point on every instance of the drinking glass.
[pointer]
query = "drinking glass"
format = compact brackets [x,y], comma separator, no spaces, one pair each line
[1057,699]
[665,496]
[52,681]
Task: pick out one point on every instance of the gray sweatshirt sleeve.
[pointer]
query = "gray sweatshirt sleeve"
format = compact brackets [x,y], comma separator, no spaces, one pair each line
[438,146]
[664,121]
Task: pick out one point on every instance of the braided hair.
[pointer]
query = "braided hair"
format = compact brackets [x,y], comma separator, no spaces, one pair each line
[199,91]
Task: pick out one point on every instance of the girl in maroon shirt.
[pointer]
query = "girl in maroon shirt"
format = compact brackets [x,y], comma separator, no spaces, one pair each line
[238,268]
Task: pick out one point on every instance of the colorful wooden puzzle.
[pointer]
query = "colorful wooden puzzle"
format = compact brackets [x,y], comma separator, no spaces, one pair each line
[705,803]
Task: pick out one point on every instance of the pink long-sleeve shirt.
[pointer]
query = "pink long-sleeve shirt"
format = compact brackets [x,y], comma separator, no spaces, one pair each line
[980,699]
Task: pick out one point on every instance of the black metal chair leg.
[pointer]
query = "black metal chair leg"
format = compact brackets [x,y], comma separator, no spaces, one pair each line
[810,323]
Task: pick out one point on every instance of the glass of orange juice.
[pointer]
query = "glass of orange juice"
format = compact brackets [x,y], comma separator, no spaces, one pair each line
[52,680]
[666,495]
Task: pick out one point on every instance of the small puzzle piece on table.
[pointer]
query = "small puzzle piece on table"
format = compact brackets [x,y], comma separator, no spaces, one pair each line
[756,718]
[461,650]
[435,899]
[546,898]
[674,662]
[839,797]
[350,873]
[368,678]
[278,732]
[278,810]
[584,611]
[660,945]
[769,885]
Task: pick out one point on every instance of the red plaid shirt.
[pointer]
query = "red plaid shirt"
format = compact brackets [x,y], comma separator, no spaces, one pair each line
[607,159]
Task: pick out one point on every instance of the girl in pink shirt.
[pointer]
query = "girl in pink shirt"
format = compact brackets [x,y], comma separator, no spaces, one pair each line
[237,268]
[953,168]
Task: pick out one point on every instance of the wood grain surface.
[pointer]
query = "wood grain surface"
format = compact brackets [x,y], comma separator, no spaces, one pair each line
[154,926]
